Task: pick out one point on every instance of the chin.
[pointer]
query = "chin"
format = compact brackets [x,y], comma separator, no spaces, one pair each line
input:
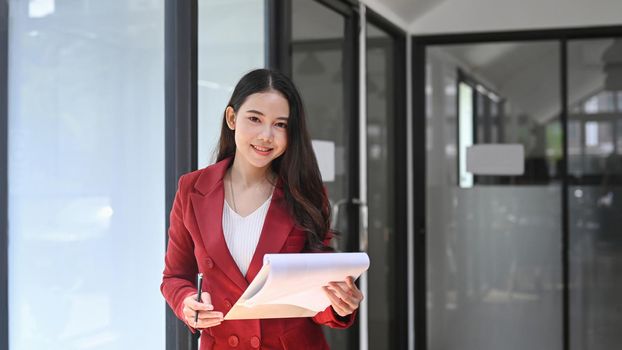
[261,165]
[258,163]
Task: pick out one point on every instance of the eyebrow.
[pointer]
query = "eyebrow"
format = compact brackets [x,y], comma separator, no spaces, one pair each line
[258,112]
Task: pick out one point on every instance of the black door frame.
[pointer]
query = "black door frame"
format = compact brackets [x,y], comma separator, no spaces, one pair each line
[181,125]
[4,173]
[419,46]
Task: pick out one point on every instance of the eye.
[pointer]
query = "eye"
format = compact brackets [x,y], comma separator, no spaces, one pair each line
[281,125]
[253,119]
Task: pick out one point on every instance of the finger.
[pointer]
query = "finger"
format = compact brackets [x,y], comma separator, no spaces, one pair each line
[350,282]
[336,304]
[205,324]
[206,315]
[350,288]
[188,311]
[353,287]
[208,319]
[191,314]
[344,295]
[208,324]
[204,321]
[194,305]
[341,285]
[341,307]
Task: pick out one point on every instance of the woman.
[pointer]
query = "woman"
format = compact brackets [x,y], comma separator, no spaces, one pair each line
[264,195]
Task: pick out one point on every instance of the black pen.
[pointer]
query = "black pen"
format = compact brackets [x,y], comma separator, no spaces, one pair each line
[199,283]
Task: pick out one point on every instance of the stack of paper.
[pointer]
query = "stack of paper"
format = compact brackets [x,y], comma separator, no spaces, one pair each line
[290,285]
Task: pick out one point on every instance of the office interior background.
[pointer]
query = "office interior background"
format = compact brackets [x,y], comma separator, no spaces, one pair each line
[103,104]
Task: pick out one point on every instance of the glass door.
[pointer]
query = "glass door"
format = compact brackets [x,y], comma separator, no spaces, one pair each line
[385,183]
[365,150]
[493,196]
[323,68]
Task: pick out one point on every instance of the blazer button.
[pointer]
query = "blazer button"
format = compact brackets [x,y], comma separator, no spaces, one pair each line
[210,263]
[255,342]
[228,304]
[234,341]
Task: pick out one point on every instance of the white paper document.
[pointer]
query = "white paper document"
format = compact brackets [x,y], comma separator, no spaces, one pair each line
[290,285]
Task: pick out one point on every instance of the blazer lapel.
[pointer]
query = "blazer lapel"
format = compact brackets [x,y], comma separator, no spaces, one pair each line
[277,226]
[208,206]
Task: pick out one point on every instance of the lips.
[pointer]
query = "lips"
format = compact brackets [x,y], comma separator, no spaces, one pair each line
[261,150]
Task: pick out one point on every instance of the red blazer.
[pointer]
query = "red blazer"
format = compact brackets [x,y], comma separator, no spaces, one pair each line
[196,243]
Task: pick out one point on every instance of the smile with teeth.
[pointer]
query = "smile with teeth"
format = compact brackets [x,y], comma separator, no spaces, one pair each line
[261,149]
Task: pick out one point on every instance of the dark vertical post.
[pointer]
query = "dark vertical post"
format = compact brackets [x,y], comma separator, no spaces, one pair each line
[4,174]
[565,216]
[279,35]
[401,184]
[419,188]
[180,61]
[351,109]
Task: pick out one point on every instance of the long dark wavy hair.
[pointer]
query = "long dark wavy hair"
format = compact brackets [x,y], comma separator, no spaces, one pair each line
[297,167]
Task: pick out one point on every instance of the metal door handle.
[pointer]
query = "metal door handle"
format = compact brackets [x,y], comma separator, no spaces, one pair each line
[363,216]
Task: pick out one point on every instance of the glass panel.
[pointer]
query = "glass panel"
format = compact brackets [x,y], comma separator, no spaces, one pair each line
[317,55]
[223,60]
[86,175]
[317,69]
[493,258]
[595,197]
[380,189]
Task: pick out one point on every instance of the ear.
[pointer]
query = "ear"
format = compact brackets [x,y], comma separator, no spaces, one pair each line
[230,116]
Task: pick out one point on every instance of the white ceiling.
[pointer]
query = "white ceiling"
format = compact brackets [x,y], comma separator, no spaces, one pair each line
[459,16]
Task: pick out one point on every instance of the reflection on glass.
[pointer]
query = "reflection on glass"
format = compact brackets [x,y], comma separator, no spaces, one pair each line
[494,264]
[465,137]
[595,194]
[86,175]
[223,60]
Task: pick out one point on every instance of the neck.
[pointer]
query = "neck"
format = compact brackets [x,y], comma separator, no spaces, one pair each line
[247,175]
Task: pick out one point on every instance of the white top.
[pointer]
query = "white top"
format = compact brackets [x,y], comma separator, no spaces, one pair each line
[242,233]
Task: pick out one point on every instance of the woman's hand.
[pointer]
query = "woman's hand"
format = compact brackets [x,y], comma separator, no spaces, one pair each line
[207,317]
[344,297]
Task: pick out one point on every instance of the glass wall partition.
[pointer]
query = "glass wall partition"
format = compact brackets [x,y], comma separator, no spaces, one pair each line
[594,192]
[494,267]
[386,179]
[380,184]
[325,68]
[320,62]
[86,174]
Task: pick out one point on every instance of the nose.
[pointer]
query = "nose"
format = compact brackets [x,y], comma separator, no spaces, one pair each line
[266,134]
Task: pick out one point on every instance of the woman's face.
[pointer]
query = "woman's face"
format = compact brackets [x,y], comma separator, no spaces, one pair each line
[260,127]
